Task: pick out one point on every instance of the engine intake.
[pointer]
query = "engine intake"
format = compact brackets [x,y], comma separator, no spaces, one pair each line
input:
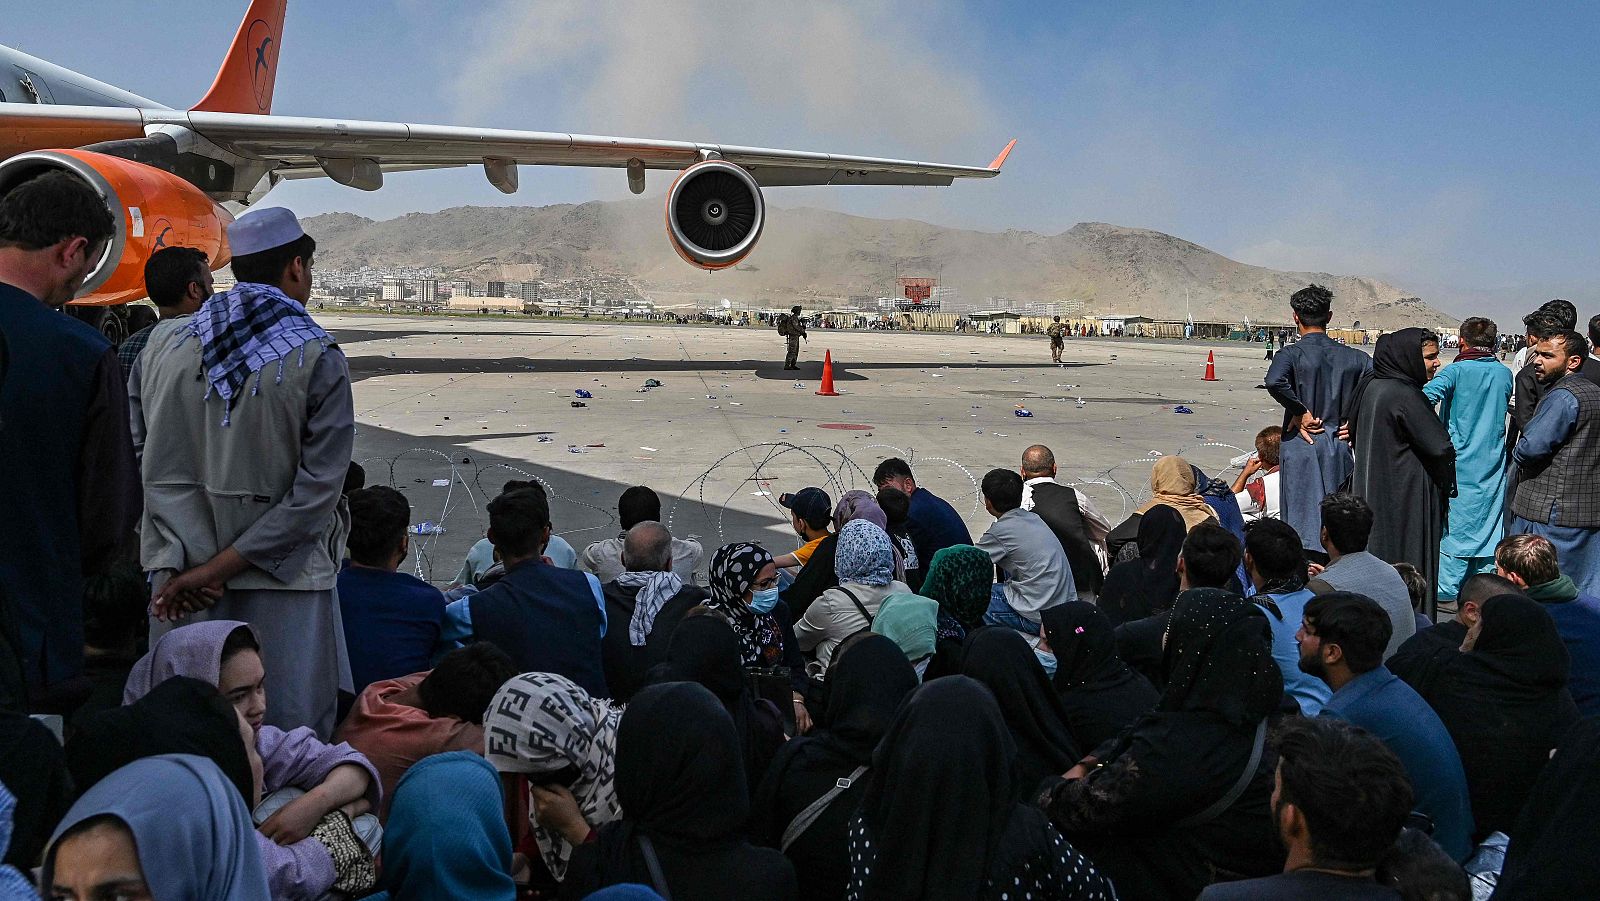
[714,214]
[152,209]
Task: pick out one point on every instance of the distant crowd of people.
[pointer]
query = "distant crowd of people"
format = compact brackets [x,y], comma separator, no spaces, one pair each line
[1242,690]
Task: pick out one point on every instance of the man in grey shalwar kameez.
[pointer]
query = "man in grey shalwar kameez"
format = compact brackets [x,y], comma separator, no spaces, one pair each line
[1312,379]
[243,418]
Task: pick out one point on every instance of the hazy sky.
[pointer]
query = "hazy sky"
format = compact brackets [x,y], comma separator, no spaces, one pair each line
[1451,148]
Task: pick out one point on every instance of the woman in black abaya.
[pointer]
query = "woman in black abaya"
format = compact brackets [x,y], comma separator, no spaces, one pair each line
[1100,694]
[1184,794]
[680,778]
[869,678]
[1001,659]
[1147,584]
[1504,699]
[943,817]
[1405,464]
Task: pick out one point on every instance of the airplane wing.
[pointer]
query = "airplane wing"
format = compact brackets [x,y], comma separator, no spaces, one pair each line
[356,152]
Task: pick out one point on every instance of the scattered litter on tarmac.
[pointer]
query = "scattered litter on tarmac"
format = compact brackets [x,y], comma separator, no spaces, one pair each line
[1023,412]
[439,483]
[1181,409]
[583,392]
[545,439]
[651,383]
[427,528]
[576,403]
[649,450]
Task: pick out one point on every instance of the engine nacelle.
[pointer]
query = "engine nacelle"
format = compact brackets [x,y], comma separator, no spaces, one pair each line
[714,214]
[152,208]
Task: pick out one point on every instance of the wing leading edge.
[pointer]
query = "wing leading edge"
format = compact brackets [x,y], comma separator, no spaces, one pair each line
[306,147]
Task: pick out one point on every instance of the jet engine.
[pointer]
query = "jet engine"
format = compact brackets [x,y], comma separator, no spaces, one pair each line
[714,214]
[152,209]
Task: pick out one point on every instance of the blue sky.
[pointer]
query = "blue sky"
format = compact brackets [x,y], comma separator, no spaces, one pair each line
[1449,148]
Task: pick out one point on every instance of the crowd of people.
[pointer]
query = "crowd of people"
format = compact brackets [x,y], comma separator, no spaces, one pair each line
[1367,668]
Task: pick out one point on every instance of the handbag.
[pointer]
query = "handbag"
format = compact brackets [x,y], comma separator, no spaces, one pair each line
[803,820]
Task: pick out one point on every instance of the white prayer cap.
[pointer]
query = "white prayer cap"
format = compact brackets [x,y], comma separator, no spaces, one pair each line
[260,230]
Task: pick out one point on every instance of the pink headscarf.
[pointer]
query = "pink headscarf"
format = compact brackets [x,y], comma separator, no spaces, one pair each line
[194,651]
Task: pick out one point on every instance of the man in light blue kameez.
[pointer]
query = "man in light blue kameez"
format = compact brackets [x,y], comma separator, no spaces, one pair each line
[1472,394]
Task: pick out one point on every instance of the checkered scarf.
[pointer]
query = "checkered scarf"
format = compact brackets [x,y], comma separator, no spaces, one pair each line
[247,328]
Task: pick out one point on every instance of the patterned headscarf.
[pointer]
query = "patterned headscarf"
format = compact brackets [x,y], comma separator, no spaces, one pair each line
[655,590]
[733,572]
[244,330]
[858,504]
[864,555]
[960,578]
[1218,658]
[541,723]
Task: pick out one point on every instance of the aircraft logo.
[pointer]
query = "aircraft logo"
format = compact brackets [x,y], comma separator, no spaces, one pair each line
[164,231]
[260,40]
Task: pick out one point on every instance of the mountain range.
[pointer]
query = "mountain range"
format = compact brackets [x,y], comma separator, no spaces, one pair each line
[821,258]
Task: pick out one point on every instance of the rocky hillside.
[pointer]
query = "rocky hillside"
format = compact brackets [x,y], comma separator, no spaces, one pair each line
[819,256]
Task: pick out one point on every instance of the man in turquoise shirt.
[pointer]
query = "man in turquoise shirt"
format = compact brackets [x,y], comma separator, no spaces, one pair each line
[1473,394]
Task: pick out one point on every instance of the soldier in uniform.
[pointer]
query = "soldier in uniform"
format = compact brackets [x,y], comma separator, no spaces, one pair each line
[792,328]
[1058,339]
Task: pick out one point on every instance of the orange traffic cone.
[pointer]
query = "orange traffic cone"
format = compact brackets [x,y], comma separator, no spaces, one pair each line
[827,376]
[1211,367]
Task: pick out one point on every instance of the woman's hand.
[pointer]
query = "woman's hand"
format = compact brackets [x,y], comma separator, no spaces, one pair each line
[294,821]
[556,809]
[802,716]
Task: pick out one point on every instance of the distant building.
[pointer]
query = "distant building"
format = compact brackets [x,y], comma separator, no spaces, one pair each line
[428,293]
[530,291]
[394,290]
[461,288]
[495,289]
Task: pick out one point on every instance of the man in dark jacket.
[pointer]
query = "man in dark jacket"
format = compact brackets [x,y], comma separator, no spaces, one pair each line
[547,619]
[1071,515]
[647,595]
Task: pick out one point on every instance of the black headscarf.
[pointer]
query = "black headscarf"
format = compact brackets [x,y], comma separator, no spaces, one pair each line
[1543,862]
[1219,658]
[705,649]
[1001,659]
[1397,356]
[35,772]
[941,791]
[1505,703]
[1100,693]
[680,776]
[179,716]
[867,682]
[1138,588]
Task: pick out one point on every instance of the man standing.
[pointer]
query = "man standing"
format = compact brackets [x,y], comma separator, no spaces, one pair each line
[1038,575]
[1558,457]
[71,497]
[1071,515]
[178,280]
[934,524]
[1341,640]
[244,467]
[792,328]
[1531,563]
[1473,394]
[1312,379]
[1346,526]
[1404,459]
[1058,339]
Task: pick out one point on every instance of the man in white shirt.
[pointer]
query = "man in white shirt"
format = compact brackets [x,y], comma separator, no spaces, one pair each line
[1256,488]
[638,504]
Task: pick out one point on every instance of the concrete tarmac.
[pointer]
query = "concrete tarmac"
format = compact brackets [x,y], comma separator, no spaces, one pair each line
[448,409]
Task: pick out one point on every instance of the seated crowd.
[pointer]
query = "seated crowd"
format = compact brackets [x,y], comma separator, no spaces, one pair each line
[1179,705]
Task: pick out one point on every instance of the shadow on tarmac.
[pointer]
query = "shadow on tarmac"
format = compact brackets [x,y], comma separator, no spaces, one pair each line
[365,367]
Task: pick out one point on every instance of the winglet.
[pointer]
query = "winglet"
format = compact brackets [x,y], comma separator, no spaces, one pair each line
[1001,159]
[244,83]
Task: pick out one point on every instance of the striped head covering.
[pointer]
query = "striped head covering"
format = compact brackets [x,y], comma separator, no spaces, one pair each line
[244,330]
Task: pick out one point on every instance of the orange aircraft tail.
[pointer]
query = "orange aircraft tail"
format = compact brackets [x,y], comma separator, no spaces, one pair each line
[244,83]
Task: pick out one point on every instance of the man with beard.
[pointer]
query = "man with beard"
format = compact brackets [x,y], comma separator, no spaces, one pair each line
[1341,639]
[72,494]
[1313,379]
[1558,461]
